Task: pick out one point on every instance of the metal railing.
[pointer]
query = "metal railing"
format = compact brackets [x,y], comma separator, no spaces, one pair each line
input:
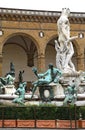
[31,117]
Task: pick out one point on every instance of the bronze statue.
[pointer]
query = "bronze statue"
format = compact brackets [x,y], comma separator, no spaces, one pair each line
[21,92]
[21,76]
[9,77]
[70,94]
[51,75]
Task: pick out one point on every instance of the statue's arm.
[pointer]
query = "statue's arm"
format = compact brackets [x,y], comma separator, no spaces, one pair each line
[44,74]
[72,38]
[40,75]
[57,47]
[24,84]
[57,76]
[17,91]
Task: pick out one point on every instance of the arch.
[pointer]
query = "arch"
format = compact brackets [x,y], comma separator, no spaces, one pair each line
[24,56]
[20,60]
[50,53]
[51,38]
[28,48]
[22,34]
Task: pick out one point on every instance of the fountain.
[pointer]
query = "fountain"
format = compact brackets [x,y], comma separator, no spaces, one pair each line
[71,79]
[59,85]
[68,86]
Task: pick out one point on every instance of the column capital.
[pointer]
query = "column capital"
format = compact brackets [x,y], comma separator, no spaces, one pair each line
[41,55]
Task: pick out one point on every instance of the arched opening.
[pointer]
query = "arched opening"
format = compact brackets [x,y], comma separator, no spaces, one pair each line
[22,51]
[50,53]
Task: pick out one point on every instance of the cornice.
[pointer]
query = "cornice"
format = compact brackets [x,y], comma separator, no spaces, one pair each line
[38,15]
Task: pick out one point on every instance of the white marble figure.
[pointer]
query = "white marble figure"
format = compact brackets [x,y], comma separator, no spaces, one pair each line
[64,45]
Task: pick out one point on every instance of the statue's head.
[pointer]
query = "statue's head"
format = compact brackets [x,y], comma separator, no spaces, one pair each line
[66,11]
[34,69]
[50,65]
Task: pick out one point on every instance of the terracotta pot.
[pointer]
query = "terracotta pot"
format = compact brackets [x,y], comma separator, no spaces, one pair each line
[9,123]
[45,124]
[80,123]
[1,123]
[26,123]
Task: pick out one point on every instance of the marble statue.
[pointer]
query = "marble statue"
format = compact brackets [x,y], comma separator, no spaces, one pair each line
[21,92]
[51,75]
[64,45]
[21,76]
[70,94]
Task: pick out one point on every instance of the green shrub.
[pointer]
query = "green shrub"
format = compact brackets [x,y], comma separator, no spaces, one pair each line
[43,112]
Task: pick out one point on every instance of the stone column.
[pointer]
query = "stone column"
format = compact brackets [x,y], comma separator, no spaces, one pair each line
[41,63]
[1,59]
[30,59]
[80,61]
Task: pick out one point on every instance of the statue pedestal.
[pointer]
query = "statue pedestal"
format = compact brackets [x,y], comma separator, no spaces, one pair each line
[9,89]
[58,90]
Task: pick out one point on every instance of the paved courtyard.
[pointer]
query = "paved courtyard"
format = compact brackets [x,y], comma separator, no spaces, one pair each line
[34,129]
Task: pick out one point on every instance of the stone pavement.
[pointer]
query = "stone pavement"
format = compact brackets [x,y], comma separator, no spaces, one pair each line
[36,129]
